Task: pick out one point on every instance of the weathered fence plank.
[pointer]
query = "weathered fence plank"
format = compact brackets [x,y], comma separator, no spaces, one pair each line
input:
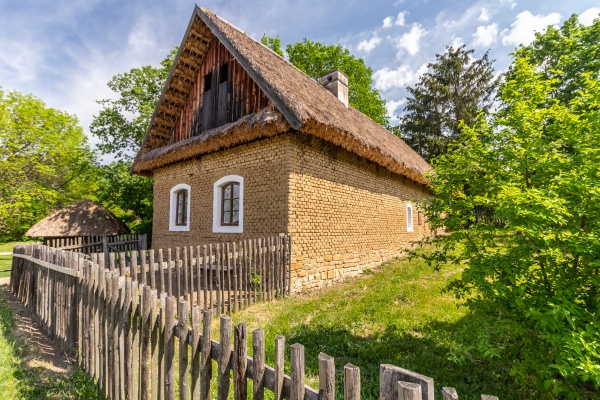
[124,332]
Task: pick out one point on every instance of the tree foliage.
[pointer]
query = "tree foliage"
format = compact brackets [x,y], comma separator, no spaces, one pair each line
[121,126]
[45,162]
[519,199]
[273,43]
[565,54]
[128,196]
[456,88]
[122,122]
[317,59]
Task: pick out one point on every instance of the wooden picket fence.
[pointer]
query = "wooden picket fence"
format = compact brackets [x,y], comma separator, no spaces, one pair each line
[98,244]
[140,343]
[225,277]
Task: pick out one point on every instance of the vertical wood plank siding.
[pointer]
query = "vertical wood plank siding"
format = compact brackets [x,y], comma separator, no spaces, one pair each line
[224,102]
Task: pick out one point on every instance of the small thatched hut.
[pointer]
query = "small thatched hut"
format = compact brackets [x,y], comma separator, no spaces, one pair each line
[78,224]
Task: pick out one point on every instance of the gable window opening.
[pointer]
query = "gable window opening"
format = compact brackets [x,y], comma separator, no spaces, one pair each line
[228,205]
[409,218]
[179,213]
[223,73]
[207,82]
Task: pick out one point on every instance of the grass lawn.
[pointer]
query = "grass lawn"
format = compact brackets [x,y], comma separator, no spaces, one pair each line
[6,260]
[19,381]
[393,315]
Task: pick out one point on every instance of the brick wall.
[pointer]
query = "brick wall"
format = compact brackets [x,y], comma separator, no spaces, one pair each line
[265,169]
[345,214]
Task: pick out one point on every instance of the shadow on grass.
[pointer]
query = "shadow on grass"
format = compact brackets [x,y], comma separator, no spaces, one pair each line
[37,382]
[417,351]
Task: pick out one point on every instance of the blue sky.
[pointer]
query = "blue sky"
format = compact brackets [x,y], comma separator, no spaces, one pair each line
[65,51]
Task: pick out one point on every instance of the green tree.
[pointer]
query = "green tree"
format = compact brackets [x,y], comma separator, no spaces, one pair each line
[565,54]
[455,89]
[45,162]
[121,126]
[128,196]
[272,43]
[519,199]
[316,59]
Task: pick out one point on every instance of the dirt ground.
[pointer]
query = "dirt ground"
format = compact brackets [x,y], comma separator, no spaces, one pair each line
[40,351]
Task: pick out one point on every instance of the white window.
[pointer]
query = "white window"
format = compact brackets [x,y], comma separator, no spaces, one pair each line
[228,204]
[179,214]
[409,218]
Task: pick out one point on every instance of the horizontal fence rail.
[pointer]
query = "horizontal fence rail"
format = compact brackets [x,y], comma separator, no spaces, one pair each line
[98,244]
[139,342]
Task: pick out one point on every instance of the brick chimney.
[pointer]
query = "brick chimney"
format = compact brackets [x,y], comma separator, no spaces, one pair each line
[337,83]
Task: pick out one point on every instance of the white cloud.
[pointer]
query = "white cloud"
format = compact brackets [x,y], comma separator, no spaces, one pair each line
[484,16]
[525,25]
[393,105]
[588,16]
[387,22]
[485,35]
[400,77]
[368,45]
[410,41]
[400,19]
[457,42]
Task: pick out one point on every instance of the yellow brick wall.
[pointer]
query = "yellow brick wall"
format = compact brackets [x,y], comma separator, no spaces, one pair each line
[346,214]
[263,165]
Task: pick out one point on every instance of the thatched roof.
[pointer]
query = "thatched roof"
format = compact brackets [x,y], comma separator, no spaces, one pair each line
[84,218]
[300,104]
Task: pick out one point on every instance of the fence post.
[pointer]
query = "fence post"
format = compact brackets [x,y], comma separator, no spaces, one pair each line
[105,250]
[409,391]
[297,372]
[240,362]
[169,344]
[449,393]
[390,375]
[351,382]
[224,358]
[206,360]
[279,362]
[182,315]
[326,377]
[258,364]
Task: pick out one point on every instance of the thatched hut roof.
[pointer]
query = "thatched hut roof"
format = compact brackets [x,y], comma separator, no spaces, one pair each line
[299,104]
[84,218]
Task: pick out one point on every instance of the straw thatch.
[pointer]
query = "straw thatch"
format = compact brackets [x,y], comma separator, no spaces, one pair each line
[84,218]
[302,104]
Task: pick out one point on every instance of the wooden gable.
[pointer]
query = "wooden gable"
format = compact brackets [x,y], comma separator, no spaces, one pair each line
[223,92]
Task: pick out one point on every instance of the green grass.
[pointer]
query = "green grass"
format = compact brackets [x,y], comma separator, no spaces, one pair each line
[5,264]
[6,260]
[17,381]
[393,315]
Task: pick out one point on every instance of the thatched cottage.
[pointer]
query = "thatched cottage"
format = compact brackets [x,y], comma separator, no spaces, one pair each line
[243,145]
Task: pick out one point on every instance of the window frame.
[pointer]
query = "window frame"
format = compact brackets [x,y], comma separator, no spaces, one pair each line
[409,218]
[231,200]
[218,205]
[173,208]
